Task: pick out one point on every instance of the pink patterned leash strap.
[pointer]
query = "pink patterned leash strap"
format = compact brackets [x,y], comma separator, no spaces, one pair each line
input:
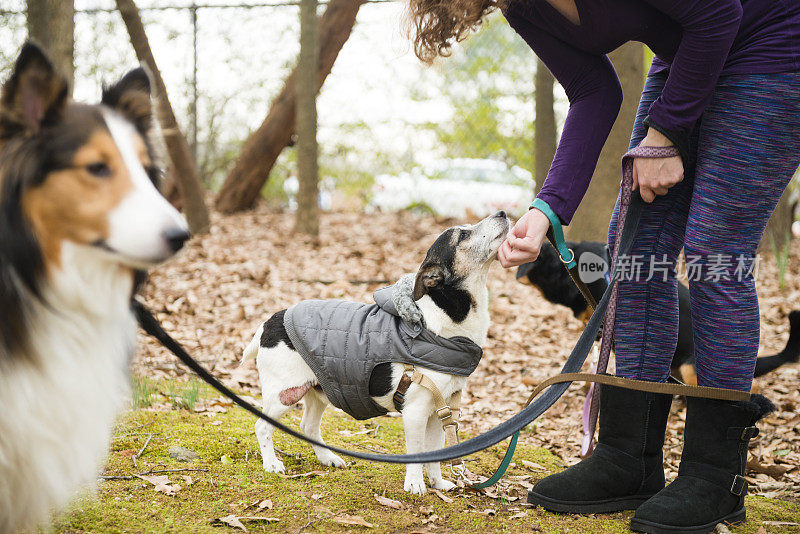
[591,405]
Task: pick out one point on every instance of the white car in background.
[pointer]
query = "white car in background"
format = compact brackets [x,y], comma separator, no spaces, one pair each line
[456,188]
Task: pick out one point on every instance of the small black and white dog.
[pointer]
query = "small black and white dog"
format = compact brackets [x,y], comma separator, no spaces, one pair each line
[549,276]
[448,296]
[80,217]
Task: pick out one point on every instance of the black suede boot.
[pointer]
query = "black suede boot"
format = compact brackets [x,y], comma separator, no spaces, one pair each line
[710,486]
[627,466]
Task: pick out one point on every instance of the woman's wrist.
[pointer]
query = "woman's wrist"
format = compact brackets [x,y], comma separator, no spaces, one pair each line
[679,140]
[656,138]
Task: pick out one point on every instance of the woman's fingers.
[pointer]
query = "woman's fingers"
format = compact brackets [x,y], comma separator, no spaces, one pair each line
[515,258]
[647,194]
[522,251]
[527,244]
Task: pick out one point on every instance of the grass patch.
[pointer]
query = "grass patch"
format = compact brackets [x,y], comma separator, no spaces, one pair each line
[142,391]
[782,256]
[312,504]
[184,395]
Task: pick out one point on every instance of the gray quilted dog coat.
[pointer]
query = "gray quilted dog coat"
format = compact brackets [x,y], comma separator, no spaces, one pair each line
[343,341]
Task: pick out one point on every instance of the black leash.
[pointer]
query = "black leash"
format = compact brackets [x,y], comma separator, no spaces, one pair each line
[527,415]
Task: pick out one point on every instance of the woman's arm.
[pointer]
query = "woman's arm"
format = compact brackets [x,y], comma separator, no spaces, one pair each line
[595,97]
[709,28]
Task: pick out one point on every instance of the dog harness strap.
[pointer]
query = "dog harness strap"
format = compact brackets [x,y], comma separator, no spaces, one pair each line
[448,413]
[625,194]
[400,394]
[566,254]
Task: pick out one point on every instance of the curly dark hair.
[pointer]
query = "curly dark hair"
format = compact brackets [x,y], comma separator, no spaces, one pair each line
[438,24]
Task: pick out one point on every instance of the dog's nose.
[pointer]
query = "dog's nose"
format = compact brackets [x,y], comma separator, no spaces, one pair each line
[501,214]
[176,237]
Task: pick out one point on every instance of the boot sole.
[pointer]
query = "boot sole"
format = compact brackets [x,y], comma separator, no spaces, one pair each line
[650,527]
[604,506]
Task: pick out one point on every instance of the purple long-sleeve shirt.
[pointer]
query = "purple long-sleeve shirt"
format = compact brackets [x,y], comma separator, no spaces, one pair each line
[696,40]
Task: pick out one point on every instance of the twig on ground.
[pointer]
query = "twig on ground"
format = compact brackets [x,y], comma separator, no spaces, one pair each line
[373,449]
[141,451]
[151,472]
[296,456]
[156,471]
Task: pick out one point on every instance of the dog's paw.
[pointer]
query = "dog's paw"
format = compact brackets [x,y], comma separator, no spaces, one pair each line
[443,485]
[415,485]
[274,466]
[331,460]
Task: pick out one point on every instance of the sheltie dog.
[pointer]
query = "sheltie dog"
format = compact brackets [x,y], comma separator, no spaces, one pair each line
[80,220]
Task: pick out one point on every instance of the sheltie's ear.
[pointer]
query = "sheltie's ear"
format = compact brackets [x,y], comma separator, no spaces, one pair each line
[34,96]
[130,97]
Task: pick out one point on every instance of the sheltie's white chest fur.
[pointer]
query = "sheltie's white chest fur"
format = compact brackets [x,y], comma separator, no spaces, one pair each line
[58,405]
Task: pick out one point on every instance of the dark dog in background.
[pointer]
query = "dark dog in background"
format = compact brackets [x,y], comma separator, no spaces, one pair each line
[548,275]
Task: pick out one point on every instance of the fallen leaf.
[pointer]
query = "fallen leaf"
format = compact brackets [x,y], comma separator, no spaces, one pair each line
[187,479]
[519,515]
[161,484]
[386,501]
[355,520]
[227,460]
[231,521]
[426,510]
[431,519]
[265,504]
[442,496]
[215,423]
[533,465]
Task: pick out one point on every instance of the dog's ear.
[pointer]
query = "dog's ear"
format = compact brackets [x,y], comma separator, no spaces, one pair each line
[35,95]
[130,97]
[430,275]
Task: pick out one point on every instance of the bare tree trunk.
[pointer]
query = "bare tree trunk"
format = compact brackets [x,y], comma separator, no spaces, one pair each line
[51,23]
[184,170]
[544,135]
[307,217]
[591,220]
[261,150]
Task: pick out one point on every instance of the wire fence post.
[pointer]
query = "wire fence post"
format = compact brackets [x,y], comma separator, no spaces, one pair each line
[307,220]
[193,107]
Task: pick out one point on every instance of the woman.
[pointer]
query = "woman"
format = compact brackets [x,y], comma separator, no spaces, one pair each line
[725,90]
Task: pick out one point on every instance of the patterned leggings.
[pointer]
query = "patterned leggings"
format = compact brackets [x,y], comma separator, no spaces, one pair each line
[744,151]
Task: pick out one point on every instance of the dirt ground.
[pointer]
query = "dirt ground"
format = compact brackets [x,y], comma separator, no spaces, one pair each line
[217,291]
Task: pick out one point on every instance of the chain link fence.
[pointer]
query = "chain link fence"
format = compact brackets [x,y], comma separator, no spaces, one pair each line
[381,111]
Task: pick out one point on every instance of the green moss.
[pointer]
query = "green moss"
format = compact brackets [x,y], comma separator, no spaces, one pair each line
[308,504]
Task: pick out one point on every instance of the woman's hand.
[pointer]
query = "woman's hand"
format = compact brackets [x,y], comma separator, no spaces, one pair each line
[655,176]
[525,239]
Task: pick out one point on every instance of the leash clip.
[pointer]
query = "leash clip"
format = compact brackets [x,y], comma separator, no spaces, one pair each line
[571,260]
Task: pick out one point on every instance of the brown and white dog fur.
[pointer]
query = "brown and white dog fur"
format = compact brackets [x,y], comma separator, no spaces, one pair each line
[450,292]
[81,219]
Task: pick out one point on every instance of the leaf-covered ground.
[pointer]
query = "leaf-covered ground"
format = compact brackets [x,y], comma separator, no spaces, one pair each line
[214,295]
